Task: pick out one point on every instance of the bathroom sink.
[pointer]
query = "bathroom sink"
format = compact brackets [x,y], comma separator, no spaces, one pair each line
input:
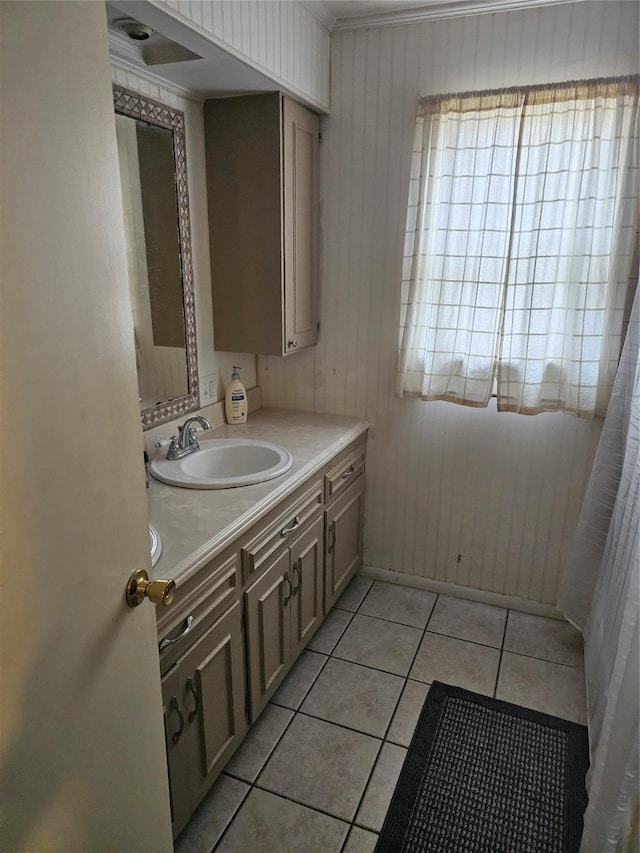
[224,463]
[155,545]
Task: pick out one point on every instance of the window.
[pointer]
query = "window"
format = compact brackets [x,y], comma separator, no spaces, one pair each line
[521,225]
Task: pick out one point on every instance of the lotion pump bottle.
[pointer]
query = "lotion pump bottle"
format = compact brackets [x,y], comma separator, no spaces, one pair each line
[235,403]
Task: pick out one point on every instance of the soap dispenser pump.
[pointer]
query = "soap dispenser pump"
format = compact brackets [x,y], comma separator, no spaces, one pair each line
[235,403]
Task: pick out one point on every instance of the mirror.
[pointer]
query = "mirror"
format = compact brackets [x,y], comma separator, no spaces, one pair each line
[153,173]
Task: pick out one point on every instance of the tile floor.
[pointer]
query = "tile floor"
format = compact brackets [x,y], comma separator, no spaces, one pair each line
[317,771]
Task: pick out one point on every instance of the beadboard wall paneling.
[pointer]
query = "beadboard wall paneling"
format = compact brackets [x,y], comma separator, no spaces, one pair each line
[209,361]
[283,39]
[501,490]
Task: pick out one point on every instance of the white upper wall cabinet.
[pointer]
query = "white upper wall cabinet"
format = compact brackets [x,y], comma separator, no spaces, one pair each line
[262,182]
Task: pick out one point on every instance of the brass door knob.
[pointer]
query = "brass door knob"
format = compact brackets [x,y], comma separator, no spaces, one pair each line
[140,587]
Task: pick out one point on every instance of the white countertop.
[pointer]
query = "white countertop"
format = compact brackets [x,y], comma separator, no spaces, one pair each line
[196,524]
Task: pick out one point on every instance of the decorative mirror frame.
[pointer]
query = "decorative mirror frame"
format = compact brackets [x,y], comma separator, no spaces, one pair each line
[137,106]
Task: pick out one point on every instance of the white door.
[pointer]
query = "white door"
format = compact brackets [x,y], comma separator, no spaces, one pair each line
[83,756]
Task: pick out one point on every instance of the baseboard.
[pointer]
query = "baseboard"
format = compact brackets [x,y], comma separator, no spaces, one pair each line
[512,602]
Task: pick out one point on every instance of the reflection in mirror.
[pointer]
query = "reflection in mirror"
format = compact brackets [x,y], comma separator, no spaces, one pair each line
[151,152]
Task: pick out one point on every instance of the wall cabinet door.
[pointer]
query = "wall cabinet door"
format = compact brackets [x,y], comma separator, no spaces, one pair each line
[307,572]
[344,522]
[262,186]
[268,631]
[300,149]
[204,698]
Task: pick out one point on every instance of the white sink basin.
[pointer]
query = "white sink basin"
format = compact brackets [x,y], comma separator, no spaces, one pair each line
[155,545]
[224,463]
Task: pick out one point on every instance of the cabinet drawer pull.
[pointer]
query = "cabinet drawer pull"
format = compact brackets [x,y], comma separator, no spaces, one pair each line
[351,470]
[191,689]
[175,706]
[163,644]
[296,569]
[287,530]
[290,593]
[332,534]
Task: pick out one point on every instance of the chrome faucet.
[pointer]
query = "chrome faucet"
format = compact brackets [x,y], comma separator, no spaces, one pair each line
[186,442]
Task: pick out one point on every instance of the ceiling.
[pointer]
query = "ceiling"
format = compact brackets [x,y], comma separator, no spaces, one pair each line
[188,59]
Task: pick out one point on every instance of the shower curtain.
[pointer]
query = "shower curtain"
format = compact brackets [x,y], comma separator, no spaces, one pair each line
[600,595]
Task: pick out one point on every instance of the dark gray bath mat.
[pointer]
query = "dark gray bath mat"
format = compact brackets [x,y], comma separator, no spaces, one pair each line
[485,776]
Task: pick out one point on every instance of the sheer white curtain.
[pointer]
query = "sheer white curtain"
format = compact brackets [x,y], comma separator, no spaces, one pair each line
[520,230]
[600,594]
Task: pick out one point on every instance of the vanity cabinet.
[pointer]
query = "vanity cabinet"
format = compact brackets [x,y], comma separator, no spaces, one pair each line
[262,184]
[238,624]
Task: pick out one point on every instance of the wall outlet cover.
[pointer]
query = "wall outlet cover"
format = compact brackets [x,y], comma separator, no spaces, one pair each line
[209,388]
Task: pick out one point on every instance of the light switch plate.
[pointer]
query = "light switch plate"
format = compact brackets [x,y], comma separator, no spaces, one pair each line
[209,388]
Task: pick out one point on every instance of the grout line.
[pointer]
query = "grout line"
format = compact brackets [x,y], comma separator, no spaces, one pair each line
[233,816]
[504,634]
[545,660]
[368,666]
[463,640]
[233,813]
[413,660]
[318,651]
[340,726]
[347,821]
[309,689]
[252,784]
[366,787]
[389,724]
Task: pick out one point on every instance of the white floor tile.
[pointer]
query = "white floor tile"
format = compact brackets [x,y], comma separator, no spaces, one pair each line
[468,620]
[456,662]
[548,687]
[548,639]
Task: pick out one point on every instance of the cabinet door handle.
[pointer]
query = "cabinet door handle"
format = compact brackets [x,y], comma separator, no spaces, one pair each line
[351,470]
[287,599]
[293,343]
[332,534]
[191,689]
[296,569]
[163,644]
[287,530]
[175,706]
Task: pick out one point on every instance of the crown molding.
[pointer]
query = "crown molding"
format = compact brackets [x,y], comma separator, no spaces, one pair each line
[455,9]
[320,11]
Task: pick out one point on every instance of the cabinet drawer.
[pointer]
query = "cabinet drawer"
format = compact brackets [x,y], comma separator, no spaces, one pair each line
[203,598]
[347,469]
[286,523]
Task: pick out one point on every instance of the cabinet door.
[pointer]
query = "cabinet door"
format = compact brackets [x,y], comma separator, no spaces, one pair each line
[343,544]
[213,691]
[268,631]
[307,573]
[174,729]
[300,152]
